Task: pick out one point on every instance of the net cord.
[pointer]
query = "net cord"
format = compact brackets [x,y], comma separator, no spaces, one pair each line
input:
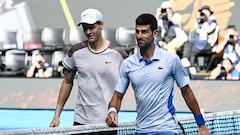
[70,130]
[124,126]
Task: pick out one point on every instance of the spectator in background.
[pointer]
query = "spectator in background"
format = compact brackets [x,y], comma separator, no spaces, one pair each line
[97,62]
[39,68]
[171,36]
[229,46]
[164,16]
[181,37]
[60,69]
[205,36]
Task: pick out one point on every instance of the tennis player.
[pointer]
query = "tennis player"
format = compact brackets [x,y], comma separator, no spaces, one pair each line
[95,62]
[151,72]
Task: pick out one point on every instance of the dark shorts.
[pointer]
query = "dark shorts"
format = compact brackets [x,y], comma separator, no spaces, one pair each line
[158,133]
[96,133]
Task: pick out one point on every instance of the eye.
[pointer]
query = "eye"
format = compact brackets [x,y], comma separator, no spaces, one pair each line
[137,31]
[89,26]
[144,31]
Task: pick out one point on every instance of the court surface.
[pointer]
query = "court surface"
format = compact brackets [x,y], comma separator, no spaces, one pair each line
[33,118]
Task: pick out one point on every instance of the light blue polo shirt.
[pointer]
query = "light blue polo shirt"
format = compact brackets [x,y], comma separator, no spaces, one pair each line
[153,83]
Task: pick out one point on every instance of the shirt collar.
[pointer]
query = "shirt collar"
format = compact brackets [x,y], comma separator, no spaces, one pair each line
[155,56]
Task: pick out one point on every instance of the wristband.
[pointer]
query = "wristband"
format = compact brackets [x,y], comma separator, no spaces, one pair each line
[112,109]
[199,119]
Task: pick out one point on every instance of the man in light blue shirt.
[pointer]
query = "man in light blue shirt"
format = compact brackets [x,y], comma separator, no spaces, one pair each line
[152,72]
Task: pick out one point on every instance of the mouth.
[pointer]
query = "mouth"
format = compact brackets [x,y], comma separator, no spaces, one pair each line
[140,41]
[90,37]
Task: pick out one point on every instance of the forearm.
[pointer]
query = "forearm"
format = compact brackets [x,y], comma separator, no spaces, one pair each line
[64,93]
[212,27]
[116,101]
[30,71]
[215,72]
[158,13]
[220,46]
[194,107]
[190,100]
[41,73]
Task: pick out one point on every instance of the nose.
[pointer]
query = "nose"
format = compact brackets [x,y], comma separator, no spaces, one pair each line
[138,34]
[87,31]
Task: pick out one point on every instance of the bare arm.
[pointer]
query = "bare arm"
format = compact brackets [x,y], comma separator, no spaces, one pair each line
[212,27]
[237,48]
[30,71]
[192,104]
[158,12]
[41,73]
[64,93]
[112,118]
[221,45]
[190,99]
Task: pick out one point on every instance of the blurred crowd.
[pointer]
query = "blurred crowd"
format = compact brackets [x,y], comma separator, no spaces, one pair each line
[207,50]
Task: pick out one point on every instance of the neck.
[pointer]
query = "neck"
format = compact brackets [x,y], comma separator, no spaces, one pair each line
[98,46]
[147,52]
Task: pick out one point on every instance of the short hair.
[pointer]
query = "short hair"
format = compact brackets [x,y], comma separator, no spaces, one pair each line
[232,27]
[147,19]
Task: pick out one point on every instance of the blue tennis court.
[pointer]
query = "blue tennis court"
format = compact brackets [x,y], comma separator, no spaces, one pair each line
[33,118]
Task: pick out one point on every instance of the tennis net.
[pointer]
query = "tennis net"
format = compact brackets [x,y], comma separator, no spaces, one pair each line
[223,123]
[227,122]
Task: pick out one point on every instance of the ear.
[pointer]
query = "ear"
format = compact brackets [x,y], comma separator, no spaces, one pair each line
[155,33]
[101,24]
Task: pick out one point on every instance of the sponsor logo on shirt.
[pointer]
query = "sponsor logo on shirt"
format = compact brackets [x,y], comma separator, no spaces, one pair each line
[107,62]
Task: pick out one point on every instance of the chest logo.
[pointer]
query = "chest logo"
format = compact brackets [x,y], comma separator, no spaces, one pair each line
[107,62]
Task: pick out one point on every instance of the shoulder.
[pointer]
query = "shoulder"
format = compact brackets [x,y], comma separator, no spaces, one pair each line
[129,62]
[77,47]
[169,56]
[212,19]
[164,52]
[122,52]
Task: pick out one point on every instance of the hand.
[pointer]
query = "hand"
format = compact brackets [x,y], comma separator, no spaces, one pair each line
[112,119]
[226,36]
[55,122]
[36,64]
[202,130]
[158,12]
[162,44]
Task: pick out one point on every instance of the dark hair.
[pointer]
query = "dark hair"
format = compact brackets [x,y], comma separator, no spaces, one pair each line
[232,27]
[147,19]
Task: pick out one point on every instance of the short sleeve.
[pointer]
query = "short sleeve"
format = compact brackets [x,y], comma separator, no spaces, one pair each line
[180,73]
[123,80]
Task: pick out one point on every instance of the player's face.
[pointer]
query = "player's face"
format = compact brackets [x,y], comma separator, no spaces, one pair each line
[144,35]
[92,31]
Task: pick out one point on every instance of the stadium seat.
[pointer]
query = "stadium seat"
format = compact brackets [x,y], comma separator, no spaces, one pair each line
[32,39]
[125,37]
[14,63]
[53,39]
[57,57]
[8,40]
[76,35]
[109,34]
